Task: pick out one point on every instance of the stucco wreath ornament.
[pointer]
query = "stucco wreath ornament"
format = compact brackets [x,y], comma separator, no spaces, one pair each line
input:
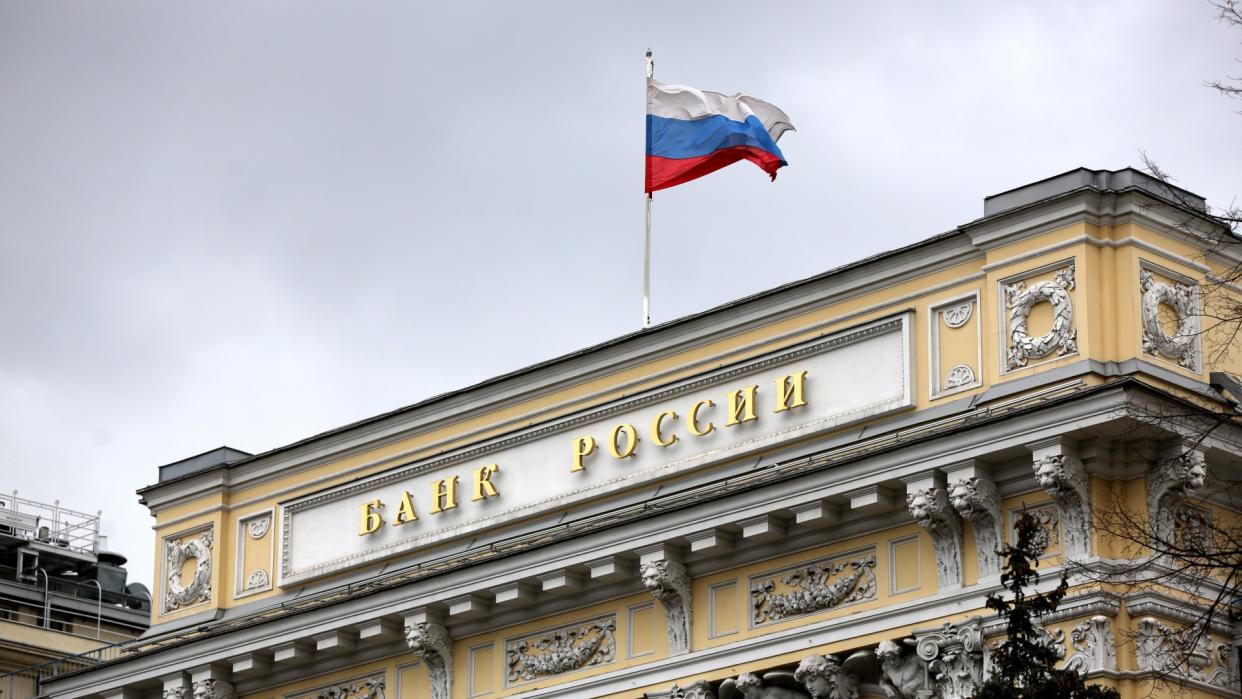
[1179,297]
[1062,338]
[199,588]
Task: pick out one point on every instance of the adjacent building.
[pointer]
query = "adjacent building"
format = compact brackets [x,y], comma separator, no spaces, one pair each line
[64,598]
[798,494]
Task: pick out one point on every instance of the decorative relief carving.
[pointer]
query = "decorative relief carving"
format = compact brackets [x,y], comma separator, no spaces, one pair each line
[178,594]
[363,688]
[954,657]
[174,693]
[825,584]
[430,643]
[257,580]
[930,508]
[1065,479]
[1189,653]
[560,650]
[1062,338]
[960,375]
[1156,647]
[699,689]
[773,685]
[1052,640]
[1183,300]
[903,675]
[957,316]
[1168,486]
[669,582]
[1192,528]
[978,502]
[1047,538]
[258,526]
[213,689]
[1095,647]
[823,678]
[1226,673]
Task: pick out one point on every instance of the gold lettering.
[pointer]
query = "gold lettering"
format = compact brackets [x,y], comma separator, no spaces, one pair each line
[583,447]
[742,405]
[371,520]
[789,391]
[405,511]
[483,488]
[692,419]
[631,441]
[444,495]
[656,437]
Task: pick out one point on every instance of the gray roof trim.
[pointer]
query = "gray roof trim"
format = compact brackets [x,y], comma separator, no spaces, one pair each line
[1083,178]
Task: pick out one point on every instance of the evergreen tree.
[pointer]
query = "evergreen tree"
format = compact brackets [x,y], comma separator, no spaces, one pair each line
[1023,667]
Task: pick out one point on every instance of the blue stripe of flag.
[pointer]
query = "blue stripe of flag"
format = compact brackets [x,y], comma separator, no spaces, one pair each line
[678,138]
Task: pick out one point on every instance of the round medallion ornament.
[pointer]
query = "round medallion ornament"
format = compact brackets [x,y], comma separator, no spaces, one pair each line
[956,316]
[256,580]
[258,527]
[1062,338]
[1180,298]
[959,375]
[179,593]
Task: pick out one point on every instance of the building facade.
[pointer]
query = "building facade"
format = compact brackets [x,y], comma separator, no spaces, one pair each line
[799,494]
[64,598]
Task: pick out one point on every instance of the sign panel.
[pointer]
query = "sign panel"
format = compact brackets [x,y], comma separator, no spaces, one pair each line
[818,386]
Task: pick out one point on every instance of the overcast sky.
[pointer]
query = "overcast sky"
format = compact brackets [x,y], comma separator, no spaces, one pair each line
[243,223]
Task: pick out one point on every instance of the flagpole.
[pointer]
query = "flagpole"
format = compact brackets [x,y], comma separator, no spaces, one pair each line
[647,227]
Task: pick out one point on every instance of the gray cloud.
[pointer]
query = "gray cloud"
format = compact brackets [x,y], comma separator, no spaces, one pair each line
[239,223]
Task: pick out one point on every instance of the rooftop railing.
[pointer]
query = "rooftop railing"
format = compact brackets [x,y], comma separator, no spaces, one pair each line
[49,524]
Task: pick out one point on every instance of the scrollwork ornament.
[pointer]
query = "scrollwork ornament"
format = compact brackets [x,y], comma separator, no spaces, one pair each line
[1062,338]
[1095,647]
[177,552]
[954,657]
[669,582]
[174,693]
[1183,300]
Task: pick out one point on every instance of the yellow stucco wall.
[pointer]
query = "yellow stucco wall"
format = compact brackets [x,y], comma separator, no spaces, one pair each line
[1106,316]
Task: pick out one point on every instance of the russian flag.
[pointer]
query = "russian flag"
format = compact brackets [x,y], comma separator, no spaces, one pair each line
[691,133]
